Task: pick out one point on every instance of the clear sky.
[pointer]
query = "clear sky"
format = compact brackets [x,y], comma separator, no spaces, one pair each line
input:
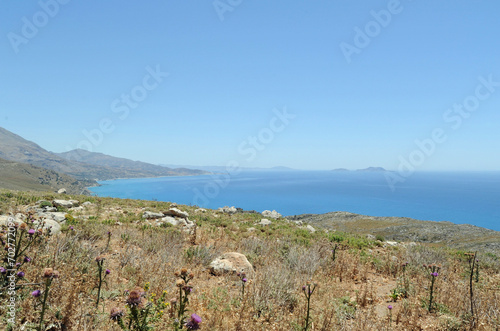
[304,84]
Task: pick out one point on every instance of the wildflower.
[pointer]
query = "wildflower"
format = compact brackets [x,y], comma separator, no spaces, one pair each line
[435,274]
[18,264]
[184,271]
[50,273]
[3,270]
[179,283]
[31,232]
[389,307]
[108,271]
[116,314]
[191,276]
[36,293]
[20,274]
[99,258]
[194,322]
[23,226]
[244,280]
[71,228]
[27,259]
[134,298]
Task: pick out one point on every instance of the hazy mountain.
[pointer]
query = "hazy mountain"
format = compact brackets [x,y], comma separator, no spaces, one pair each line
[21,176]
[223,169]
[80,165]
[131,168]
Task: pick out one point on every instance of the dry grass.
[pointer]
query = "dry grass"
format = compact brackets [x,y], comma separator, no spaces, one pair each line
[353,291]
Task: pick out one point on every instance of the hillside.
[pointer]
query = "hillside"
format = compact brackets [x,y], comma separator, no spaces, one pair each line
[118,260]
[460,236]
[18,149]
[20,176]
[135,168]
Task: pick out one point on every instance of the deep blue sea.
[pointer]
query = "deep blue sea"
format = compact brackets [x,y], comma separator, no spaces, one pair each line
[458,197]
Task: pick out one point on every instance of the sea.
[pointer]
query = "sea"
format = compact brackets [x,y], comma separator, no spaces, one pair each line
[457,197]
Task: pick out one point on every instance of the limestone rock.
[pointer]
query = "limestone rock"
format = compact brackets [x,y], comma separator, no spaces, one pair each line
[228,210]
[264,222]
[62,203]
[152,215]
[271,214]
[310,228]
[231,263]
[55,227]
[200,210]
[176,213]
[62,191]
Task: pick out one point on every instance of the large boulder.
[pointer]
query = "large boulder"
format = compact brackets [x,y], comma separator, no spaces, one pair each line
[228,210]
[231,263]
[54,226]
[271,214]
[176,213]
[152,215]
[62,191]
[264,222]
[63,203]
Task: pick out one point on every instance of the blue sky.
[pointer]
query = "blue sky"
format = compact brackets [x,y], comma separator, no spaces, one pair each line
[354,99]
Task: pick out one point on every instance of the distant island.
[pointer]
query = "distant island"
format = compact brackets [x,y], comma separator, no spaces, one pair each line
[369,169]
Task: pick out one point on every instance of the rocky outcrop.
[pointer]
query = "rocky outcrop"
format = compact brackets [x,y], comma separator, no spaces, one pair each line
[66,203]
[231,263]
[271,214]
[176,213]
[152,215]
[228,210]
[264,222]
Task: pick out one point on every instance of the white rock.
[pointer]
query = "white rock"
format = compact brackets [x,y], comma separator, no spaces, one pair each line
[391,243]
[62,203]
[264,222]
[177,213]
[152,215]
[62,191]
[271,214]
[200,210]
[231,263]
[55,228]
[228,210]
[310,228]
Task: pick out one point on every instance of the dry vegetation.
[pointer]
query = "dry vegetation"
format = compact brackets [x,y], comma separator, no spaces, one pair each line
[353,291]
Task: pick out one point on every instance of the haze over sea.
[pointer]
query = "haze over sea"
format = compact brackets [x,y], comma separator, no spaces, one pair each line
[458,197]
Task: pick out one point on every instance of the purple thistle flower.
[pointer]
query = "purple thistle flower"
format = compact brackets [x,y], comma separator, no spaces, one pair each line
[27,259]
[244,280]
[194,322]
[36,293]
[20,274]
[435,274]
[18,264]
[71,228]
[3,270]
[108,271]
[389,307]
[31,231]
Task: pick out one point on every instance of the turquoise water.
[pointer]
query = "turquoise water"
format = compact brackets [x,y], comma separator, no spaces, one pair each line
[461,197]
